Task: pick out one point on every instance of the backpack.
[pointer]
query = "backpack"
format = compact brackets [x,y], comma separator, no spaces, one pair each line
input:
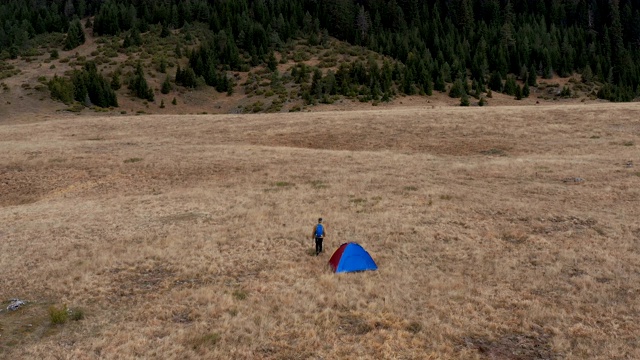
[319,230]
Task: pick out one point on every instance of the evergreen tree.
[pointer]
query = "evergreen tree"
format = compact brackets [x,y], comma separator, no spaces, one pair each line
[75,35]
[464,100]
[510,86]
[138,84]
[525,90]
[115,81]
[174,101]
[457,90]
[272,63]
[166,86]
[532,76]
[495,83]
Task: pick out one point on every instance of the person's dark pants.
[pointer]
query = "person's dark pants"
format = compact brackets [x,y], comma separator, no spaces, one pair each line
[318,245]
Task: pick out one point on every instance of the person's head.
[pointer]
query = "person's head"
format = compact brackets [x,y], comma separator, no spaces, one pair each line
[319,220]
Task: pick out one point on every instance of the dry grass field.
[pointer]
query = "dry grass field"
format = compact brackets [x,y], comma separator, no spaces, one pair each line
[184,237]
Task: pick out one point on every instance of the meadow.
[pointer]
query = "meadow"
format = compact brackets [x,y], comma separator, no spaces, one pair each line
[499,232]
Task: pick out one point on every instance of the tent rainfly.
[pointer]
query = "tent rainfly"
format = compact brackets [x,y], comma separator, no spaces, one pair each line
[351,257]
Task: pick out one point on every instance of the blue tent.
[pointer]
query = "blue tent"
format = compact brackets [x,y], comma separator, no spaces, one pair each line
[351,257]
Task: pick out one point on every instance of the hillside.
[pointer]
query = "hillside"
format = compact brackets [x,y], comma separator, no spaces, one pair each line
[253,56]
[499,232]
[26,96]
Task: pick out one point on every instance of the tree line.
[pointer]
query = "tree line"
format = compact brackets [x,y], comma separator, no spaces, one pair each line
[437,42]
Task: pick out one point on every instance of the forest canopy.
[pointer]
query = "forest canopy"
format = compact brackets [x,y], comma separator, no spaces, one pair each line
[437,41]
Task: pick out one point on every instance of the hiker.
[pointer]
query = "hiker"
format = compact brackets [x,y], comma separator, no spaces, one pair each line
[318,235]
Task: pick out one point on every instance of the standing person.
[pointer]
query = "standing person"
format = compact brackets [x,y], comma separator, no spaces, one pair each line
[318,235]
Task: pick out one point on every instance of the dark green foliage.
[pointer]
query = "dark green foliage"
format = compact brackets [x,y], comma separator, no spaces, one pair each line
[54,54]
[457,90]
[495,83]
[272,64]
[174,101]
[566,92]
[526,91]
[162,66]
[75,35]
[132,39]
[90,87]
[86,86]
[61,89]
[161,104]
[138,85]
[186,77]
[165,31]
[518,92]
[166,86]
[532,76]
[482,102]
[115,81]
[510,86]
[464,100]
[433,42]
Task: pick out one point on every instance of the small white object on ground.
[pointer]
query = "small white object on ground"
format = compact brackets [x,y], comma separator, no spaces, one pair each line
[16,304]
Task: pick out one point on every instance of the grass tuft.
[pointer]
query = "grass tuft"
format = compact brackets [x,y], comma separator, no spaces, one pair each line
[205,341]
[414,327]
[76,314]
[58,316]
[132,160]
[240,294]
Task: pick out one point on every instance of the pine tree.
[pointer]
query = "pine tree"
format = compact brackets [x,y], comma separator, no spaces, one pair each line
[495,83]
[510,86]
[525,90]
[532,75]
[75,35]
[174,101]
[272,63]
[165,31]
[518,92]
[166,86]
[115,81]
[457,90]
[138,84]
[464,100]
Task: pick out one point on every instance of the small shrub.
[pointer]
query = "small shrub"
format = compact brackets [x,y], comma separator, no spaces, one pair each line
[54,55]
[161,104]
[207,340]
[133,160]
[76,314]
[174,101]
[628,143]
[414,327]
[240,294]
[58,316]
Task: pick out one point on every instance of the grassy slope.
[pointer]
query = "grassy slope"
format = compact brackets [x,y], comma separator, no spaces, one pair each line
[24,95]
[199,247]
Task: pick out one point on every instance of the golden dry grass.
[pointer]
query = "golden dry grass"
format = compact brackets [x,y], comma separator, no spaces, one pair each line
[187,237]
